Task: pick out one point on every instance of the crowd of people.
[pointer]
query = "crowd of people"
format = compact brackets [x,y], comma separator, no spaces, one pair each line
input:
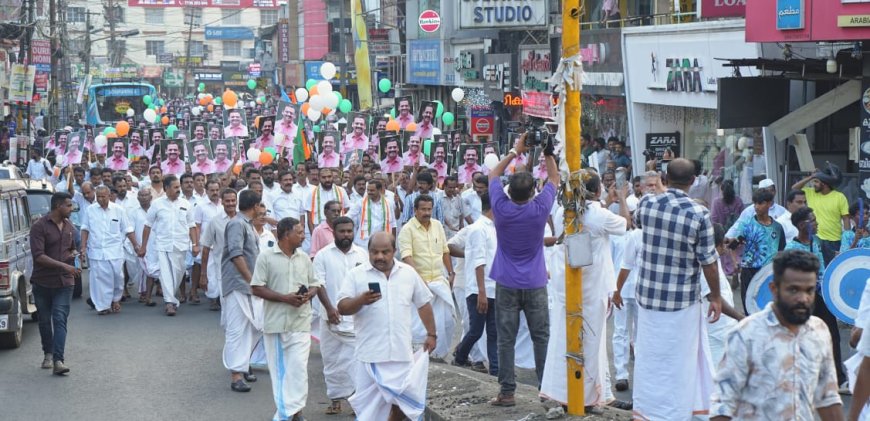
[383,268]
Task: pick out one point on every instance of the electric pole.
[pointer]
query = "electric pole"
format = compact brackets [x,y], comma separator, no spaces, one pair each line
[53,91]
[189,42]
[115,55]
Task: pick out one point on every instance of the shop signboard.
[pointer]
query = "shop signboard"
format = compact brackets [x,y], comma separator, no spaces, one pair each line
[601,50]
[166,58]
[526,14]
[467,64]
[21,82]
[723,8]
[482,120]
[283,42]
[383,41]
[223,4]
[807,20]
[125,71]
[40,82]
[312,71]
[424,61]
[235,79]
[497,75]
[535,68]
[152,72]
[41,51]
[228,33]
[173,78]
[207,76]
[864,153]
[538,104]
[665,146]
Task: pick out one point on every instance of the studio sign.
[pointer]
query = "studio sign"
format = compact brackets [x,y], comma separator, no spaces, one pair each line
[496,13]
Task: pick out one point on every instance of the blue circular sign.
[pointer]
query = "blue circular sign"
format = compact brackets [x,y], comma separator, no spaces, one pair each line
[758,292]
[844,282]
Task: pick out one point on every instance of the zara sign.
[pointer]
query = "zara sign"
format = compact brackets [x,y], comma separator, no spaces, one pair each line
[479,14]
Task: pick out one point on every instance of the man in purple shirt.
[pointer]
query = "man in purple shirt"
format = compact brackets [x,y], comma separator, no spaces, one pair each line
[518,268]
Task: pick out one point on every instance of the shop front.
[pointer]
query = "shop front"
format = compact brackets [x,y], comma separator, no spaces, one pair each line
[536,66]
[604,110]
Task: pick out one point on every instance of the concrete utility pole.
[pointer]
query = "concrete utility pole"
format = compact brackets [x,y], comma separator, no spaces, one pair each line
[54,42]
[189,42]
[573,276]
[114,55]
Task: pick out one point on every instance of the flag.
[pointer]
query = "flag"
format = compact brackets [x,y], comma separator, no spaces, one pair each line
[361,55]
[284,96]
[301,149]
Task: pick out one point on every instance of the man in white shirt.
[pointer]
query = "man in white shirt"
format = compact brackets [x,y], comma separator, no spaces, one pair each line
[795,200]
[321,194]
[391,381]
[287,201]
[373,214]
[171,219]
[212,240]
[471,198]
[38,168]
[104,226]
[136,266]
[337,344]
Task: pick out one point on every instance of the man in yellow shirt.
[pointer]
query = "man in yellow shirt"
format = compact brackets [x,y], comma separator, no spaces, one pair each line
[423,246]
[830,207]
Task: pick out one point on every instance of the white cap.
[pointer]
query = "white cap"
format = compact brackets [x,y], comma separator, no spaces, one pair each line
[763,184]
[632,203]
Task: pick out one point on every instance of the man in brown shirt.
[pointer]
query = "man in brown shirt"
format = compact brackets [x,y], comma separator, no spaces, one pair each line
[54,269]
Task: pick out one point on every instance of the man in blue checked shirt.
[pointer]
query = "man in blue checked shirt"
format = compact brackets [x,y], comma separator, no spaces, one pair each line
[678,244]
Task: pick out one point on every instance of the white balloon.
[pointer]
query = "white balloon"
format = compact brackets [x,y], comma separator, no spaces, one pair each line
[458,94]
[131,112]
[301,95]
[327,70]
[315,102]
[313,114]
[196,110]
[253,154]
[200,96]
[331,101]
[100,141]
[490,160]
[252,104]
[435,131]
[150,115]
[324,87]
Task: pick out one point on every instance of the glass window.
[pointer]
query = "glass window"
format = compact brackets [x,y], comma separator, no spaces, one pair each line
[7,218]
[153,48]
[231,17]
[75,14]
[196,49]
[154,16]
[232,48]
[195,13]
[268,17]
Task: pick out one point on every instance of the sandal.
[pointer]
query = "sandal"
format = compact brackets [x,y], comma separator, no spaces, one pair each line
[103,312]
[116,307]
[618,404]
[194,299]
[150,303]
[182,299]
[170,310]
[142,298]
[334,409]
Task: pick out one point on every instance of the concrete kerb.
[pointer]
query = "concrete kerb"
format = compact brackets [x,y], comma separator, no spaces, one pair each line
[456,393]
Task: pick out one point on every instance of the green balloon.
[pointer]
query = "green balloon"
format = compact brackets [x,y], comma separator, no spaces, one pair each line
[108,130]
[447,118]
[147,99]
[218,101]
[272,151]
[338,95]
[384,85]
[310,84]
[201,87]
[345,106]
[252,84]
[427,146]
[170,131]
[440,110]
[393,112]
[316,128]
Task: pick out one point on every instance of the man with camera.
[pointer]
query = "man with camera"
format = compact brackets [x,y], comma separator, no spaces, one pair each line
[518,267]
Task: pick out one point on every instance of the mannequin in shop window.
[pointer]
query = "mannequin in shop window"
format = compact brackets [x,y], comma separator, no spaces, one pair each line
[610,13]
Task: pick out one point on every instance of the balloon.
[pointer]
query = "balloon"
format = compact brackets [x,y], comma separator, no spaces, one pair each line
[253,154]
[301,95]
[313,91]
[310,83]
[259,100]
[326,111]
[203,101]
[230,98]
[316,128]
[447,118]
[324,87]
[411,127]
[316,102]
[163,109]
[313,114]
[112,135]
[490,160]
[384,85]
[147,99]
[164,120]
[196,110]
[458,94]
[252,84]
[338,95]
[266,158]
[427,146]
[108,130]
[210,108]
[327,70]
[440,110]
[331,101]
[237,169]
[201,87]
[200,96]
[218,101]
[393,112]
[393,126]
[305,108]
[122,127]
[332,112]
[345,106]
[272,151]
[170,131]
[435,131]
[100,141]
[149,115]
[131,112]
[252,104]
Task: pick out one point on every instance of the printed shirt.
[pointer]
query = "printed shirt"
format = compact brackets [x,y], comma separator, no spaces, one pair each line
[762,242]
[848,237]
[284,275]
[677,241]
[815,248]
[770,373]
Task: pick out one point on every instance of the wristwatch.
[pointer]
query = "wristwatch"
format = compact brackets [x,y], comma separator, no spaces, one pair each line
[513,151]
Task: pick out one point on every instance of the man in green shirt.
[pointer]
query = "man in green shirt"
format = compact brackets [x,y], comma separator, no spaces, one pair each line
[830,207]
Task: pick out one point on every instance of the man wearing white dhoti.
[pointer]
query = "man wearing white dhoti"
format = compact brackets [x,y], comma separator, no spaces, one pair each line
[598,282]
[671,341]
[206,209]
[104,227]
[284,278]
[337,338]
[423,246]
[171,220]
[212,240]
[136,265]
[241,247]
[391,379]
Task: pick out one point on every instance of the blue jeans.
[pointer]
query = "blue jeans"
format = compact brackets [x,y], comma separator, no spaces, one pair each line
[509,302]
[52,305]
[475,331]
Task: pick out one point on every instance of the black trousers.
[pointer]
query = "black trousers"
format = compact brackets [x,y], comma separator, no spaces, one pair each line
[746,275]
[821,311]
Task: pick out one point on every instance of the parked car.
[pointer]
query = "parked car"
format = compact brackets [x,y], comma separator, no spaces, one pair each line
[9,171]
[16,261]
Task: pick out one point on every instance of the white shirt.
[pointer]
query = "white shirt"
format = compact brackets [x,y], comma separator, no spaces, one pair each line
[205,212]
[722,326]
[212,236]
[472,204]
[480,251]
[788,228]
[137,220]
[199,199]
[106,230]
[599,278]
[38,170]
[170,224]
[287,204]
[317,198]
[376,211]
[631,256]
[128,203]
[383,329]
[330,267]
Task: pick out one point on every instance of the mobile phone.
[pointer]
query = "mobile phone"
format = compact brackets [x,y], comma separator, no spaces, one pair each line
[375,287]
[736,243]
[620,179]
[302,290]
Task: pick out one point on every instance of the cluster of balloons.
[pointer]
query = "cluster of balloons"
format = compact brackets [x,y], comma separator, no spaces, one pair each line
[321,99]
[265,157]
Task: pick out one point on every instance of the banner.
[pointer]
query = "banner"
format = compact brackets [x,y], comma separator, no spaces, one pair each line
[538,104]
[864,153]
[41,51]
[21,83]
[361,56]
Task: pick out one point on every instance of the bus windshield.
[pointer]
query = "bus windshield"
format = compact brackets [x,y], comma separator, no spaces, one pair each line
[109,103]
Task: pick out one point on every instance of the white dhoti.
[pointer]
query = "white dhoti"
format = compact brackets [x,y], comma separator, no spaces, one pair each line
[672,347]
[287,354]
[213,274]
[171,264]
[624,328]
[106,279]
[445,323]
[135,270]
[339,363]
[241,333]
[379,386]
[478,351]
[152,263]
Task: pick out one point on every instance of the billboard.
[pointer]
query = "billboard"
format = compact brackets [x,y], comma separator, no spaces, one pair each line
[482,15]
[807,20]
[424,61]
[228,33]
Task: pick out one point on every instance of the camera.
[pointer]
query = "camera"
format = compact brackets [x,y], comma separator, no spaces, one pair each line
[536,136]
[648,154]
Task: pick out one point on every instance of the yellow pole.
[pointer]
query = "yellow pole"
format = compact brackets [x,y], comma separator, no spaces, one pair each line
[573,277]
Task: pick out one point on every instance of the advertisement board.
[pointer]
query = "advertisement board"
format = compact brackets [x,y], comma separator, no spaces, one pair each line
[664,145]
[21,82]
[424,61]
[864,153]
[497,75]
[228,33]
[224,4]
[482,120]
[503,14]
[723,8]
[807,20]
[538,104]
[41,51]
[601,50]
[536,66]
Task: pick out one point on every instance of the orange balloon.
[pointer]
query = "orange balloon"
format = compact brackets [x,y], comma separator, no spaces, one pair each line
[208,98]
[312,91]
[393,126]
[266,158]
[411,127]
[202,101]
[230,98]
[162,110]
[304,108]
[210,108]
[238,168]
[112,135]
[122,128]
[257,122]
[164,120]
[325,111]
